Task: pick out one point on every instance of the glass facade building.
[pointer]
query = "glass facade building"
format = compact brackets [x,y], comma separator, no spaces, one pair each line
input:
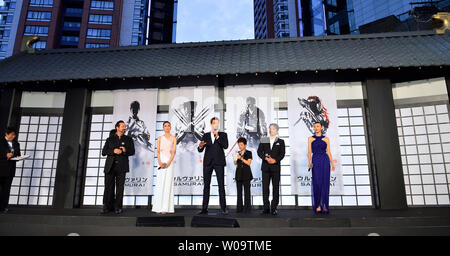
[292,18]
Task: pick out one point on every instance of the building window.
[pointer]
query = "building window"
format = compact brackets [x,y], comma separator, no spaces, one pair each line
[36,30]
[421,109]
[9,19]
[90,45]
[76,11]
[69,24]
[39,16]
[102,5]
[424,134]
[41,3]
[100,19]
[4,33]
[99,33]
[35,177]
[3,47]
[69,38]
[40,45]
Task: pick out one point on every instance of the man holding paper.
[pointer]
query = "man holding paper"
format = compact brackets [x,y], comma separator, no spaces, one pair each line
[9,148]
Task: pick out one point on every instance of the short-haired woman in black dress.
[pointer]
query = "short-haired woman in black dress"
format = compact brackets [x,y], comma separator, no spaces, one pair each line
[243,176]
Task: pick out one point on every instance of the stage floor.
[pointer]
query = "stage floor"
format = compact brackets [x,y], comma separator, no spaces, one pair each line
[358,222]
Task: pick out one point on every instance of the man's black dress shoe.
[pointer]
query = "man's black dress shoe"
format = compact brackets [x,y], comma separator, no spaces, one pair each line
[119,211]
[265,212]
[203,212]
[274,212]
[224,212]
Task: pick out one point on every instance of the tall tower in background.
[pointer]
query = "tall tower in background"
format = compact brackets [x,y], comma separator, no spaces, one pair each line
[292,18]
[148,22]
[85,23]
[9,20]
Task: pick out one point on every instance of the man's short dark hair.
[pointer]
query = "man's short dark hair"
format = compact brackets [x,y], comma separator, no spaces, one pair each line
[118,123]
[214,118]
[274,125]
[318,123]
[242,140]
[10,129]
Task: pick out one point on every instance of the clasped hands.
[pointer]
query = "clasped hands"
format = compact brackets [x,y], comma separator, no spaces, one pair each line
[119,150]
[270,160]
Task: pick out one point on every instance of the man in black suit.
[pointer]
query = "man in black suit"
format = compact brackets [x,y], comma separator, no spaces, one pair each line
[214,159]
[271,150]
[9,148]
[118,147]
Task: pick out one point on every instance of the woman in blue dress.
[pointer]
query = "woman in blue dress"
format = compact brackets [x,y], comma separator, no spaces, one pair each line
[320,162]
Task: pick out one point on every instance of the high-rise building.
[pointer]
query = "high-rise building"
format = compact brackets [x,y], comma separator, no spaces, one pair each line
[372,16]
[162,21]
[148,22]
[9,20]
[86,23]
[292,18]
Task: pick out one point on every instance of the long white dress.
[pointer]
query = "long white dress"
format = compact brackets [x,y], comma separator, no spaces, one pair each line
[163,199]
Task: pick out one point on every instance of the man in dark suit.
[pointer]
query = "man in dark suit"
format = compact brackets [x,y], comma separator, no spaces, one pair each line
[118,147]
[271,150]
[9,148]
[214,159]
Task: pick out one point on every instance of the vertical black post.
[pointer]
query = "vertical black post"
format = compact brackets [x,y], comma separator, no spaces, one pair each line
[382,126]
[71,149]
[10,107]
[447,82]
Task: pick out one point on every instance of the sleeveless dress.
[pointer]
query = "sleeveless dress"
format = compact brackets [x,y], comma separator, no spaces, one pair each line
[163,199]
[320,174]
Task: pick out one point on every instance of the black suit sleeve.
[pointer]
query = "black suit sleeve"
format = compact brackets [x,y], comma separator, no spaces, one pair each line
[3,151]
[203,148]
[129,150]
[282,152]
[107,150]
[261,151]
[223,140]
[17,150]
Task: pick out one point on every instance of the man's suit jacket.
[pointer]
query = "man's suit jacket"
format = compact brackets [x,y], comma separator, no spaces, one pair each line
[108,150]
[8,167]
[214,154]
[277,152]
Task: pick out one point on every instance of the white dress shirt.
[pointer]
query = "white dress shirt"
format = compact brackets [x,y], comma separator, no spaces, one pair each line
[272,141]
[213,137]
[9,143]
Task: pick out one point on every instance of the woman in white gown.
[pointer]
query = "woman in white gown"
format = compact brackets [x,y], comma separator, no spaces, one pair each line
[163,196]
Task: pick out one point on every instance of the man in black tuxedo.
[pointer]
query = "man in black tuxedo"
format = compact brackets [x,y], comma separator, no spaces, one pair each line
[9,148]
[118,147]
[271,150]
[214,159]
